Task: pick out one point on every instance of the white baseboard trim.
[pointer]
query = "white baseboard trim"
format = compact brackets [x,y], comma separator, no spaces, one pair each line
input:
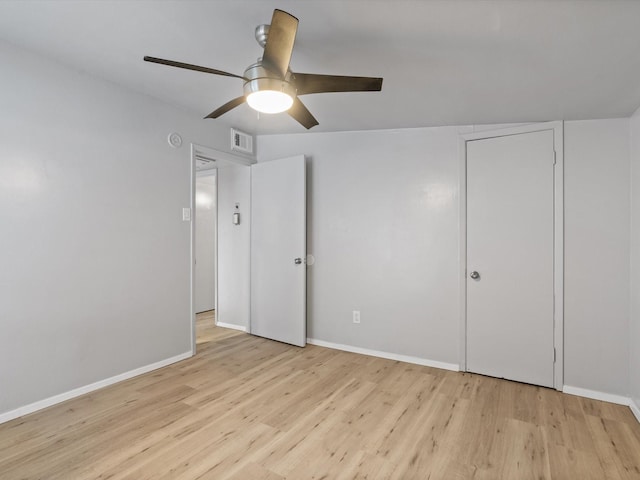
[595,395]
[76,392]
[232,326]
[391,356]
[635,409]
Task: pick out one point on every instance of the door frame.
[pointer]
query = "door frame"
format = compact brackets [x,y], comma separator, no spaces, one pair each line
[220,158]
[557,127]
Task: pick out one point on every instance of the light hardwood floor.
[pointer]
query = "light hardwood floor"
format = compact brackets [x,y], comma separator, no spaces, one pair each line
[206,330]
[247,408]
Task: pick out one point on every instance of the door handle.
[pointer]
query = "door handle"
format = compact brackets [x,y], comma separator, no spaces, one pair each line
[475,275]
[297,261]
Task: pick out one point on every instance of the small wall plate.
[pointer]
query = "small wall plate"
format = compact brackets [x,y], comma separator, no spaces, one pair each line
[175,140]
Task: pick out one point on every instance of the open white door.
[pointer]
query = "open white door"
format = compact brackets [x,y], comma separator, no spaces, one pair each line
[278,250]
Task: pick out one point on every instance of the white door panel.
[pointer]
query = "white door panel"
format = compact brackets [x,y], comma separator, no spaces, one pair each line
[278,238]
[510,239]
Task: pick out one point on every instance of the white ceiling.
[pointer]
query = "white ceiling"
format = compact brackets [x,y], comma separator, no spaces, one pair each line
[443,62]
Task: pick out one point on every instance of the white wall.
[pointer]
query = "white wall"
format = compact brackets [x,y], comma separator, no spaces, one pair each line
[634,338]
[94,255]
[234,184]
[597,253]
[383,220]
[383,227]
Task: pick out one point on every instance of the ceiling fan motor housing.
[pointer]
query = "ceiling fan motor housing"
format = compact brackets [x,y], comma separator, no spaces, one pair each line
[262,33]
[260,79]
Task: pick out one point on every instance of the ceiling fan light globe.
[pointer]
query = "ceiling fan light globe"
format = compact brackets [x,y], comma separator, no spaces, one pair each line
[270,101]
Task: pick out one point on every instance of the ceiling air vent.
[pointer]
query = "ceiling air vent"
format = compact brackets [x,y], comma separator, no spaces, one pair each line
[241,142]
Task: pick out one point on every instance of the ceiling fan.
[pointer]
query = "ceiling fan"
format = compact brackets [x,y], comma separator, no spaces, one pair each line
[269,84]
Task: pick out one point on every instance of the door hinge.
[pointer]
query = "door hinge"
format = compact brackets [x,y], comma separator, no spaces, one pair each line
[554,157]
[554,355]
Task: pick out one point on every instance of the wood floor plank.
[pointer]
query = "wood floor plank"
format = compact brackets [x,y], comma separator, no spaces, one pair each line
[617,447]
[370,467]
[248,408]
[519,451]
[439,432]
[332,456]
[565,424]
[285,453]
[396,435]
[574,464]
[481,422]
[254,471]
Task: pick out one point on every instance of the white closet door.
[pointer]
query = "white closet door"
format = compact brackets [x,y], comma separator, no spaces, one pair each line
[510,266]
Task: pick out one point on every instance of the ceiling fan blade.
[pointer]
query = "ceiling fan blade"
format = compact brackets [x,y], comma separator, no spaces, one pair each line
[279,46]
[312,83]
[226,107]
[303,116]
[189,66]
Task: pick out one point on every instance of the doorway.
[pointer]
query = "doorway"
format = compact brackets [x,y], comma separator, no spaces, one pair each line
[225,264]
[205,263]
[511,252]
[260,282]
